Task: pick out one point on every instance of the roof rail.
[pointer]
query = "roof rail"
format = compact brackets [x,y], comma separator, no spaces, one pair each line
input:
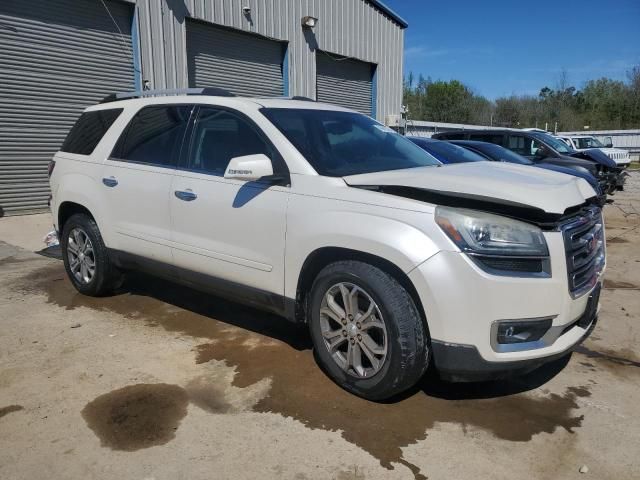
[213,91]
[301,98]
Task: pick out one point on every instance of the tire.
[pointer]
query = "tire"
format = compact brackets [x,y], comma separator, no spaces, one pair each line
[405,334]
[105,277]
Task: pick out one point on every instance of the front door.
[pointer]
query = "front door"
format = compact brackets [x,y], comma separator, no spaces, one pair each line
[228,229]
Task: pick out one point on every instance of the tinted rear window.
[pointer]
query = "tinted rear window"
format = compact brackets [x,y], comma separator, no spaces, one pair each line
[154,135]
[89,130]
[496,138]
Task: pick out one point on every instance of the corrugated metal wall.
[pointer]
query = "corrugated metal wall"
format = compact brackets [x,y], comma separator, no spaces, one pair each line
[240,62]
[344,82]
[56,58]
[352,28]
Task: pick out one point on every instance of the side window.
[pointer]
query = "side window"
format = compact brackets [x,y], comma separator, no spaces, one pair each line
[487,137]
[520,145]
[219,136]
[536,148]
[89,130]
[154,135]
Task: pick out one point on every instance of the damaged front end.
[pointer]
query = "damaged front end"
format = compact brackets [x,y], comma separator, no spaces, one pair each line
[611,177]
[517,211]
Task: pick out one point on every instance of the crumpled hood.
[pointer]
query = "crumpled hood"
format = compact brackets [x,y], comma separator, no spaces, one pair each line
[596,155]
[503,183]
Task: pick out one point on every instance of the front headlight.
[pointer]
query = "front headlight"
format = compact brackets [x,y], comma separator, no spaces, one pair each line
[499,245]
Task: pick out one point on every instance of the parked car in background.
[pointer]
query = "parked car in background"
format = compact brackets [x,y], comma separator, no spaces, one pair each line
[496,153]
[539,146]
[446,152]
[325,216]
[585,142]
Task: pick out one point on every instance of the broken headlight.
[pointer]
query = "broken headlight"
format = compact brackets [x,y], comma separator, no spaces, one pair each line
[497,244]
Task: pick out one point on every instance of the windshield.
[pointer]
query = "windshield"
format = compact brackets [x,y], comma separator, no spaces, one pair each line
[500,154]
[447,152]
[587,142]
[338,144]
[555,143]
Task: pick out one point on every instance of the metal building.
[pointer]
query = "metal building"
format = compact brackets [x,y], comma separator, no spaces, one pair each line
[59,56]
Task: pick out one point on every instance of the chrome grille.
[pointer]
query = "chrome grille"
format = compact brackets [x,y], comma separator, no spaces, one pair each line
[585,250]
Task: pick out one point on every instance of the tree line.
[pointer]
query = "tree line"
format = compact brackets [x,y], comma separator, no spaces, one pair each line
[600,104]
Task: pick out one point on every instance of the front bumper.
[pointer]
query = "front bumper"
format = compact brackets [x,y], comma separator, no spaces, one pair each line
[462,303]
[463,363]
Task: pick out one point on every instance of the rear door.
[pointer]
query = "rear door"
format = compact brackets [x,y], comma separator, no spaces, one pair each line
[137,180]
[228,229]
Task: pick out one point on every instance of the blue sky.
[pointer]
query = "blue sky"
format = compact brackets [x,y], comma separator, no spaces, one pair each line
[504,47]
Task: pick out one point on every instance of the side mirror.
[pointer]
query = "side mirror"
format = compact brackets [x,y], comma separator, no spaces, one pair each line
[249,167]
[608,144]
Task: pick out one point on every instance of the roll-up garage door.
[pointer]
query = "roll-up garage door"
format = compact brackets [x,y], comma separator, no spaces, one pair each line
[344,82]
[244,64]
[56,58]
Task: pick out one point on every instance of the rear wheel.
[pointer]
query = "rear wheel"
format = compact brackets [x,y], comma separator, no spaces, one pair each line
[368,334]
[86,259]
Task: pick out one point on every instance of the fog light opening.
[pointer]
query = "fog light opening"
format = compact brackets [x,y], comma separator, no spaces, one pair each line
[511,331]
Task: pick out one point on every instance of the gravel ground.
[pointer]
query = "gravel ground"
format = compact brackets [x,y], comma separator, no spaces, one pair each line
[160,382]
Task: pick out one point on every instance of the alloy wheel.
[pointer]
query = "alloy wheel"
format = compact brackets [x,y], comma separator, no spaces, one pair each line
[353,329]
[81,256]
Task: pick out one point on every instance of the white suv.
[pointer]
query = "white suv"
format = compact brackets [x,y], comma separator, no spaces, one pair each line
[585,142]
[327,217]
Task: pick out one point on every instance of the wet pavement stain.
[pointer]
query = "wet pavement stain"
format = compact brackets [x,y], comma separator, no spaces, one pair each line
[137,416]
[617,240]
[617,358]
[613,284]
[261,346]
[10,409]
[300,391]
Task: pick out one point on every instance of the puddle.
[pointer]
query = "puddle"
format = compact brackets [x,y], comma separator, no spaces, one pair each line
[137,416]
[261,346]
[10,409]
[300,391]
[613,284]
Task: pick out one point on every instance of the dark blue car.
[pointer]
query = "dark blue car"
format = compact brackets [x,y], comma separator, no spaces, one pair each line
[446,152]
[458,151]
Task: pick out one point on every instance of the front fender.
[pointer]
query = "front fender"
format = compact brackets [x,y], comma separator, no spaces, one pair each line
[392,239]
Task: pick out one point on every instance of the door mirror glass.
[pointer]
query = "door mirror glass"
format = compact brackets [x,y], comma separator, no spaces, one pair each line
[249,167]
[607,142]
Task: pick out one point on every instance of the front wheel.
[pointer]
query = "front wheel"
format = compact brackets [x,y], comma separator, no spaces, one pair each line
[367,332]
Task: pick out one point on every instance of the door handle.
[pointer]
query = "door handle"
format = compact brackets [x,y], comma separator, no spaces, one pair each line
[110,182]
[185,195]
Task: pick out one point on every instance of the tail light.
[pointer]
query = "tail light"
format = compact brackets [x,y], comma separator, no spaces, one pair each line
[52,165]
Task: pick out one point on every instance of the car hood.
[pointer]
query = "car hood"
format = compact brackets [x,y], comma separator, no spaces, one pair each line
[595,155]
[566,161]
[519,186]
